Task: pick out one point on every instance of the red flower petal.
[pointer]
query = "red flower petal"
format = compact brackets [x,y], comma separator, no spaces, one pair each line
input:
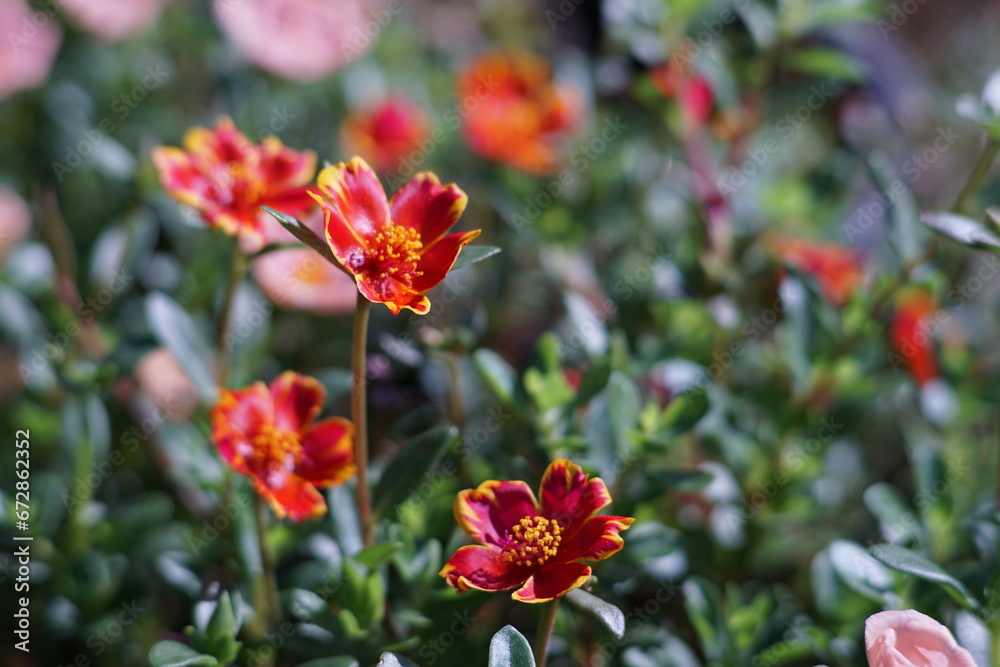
[290,495]
[297,400]
[283,168]
[551,581]
[482,568]
[236,418]
[427,206]
[487,512]
[436,261]
[221,145]
[394,294]
[596,540]
[355,193]
[569,497]
[328,453]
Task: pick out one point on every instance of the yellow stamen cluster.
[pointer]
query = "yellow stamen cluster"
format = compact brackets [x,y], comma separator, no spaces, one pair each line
[396,249]
[534,540]
[274,446]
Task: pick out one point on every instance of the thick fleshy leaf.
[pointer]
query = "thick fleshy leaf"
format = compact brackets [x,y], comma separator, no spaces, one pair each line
[482,568]
[962,229]
[304,234]
[169,653]
[487,512]
[608,614]
[429,207]
[410,465]
[551,581]
[913,563]
[175,329]
[474,253]
[509,648]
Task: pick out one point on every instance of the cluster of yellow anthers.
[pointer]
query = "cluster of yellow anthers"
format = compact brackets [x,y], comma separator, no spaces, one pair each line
[273,444]
[399,245]
[535,539]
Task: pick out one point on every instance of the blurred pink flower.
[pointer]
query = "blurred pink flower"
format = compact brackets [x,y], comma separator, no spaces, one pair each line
[28,48]
[300,40]
[15,220]
[911,639]
[114,20]
[162,379]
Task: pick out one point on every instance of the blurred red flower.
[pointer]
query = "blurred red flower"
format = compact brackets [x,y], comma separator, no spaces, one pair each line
[114,20]
[396,250]
[529,545]
[518,116]
[910,333]
[692,93]
[269,433]
[836,268]
[227,178]
[385,134]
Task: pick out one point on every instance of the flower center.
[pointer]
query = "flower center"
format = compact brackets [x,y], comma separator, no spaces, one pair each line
[531,541]
[393,253]
[272,446]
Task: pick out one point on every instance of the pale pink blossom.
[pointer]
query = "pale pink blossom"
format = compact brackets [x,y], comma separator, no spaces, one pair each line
[300,279]
[30,41]
[114,20]
[15,220]
[301,40]
[911,639]
[162,379]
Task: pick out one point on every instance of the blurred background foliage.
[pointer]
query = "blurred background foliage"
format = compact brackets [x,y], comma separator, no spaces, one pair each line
[805,434]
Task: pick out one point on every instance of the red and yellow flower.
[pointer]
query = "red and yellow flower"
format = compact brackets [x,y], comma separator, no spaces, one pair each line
[518,116]
[396,250]
[534,547]
[227,178]
[385,134]
[270,434]
[836,268]
[910,333]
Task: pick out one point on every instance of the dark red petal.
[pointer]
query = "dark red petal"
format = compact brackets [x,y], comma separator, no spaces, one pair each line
[290,495]
[569,497]
[436,261]
[484,569]
[551,581]
[596,540]
[328,452]
[298,399]
[237,418]
[282,168]
[489,511]
[354,191]
[429,207]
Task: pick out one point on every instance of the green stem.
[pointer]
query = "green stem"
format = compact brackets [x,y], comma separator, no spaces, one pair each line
[979,172]
[237,266]
[359,414]
[545,625]
[272,607]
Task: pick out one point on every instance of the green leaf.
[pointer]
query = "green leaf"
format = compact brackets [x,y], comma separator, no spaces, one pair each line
[904,214]
[858,570]
[608,614]
[220,635]
[373,556]
[175,654]
[913,563]
[497,373]
[474,253]
[680,480]
[898,523]
[393,660]
[684,411]
[704,606]
[175,329]
[962,229]
[306,235]
[509,648]
[828,63]
[410,465]
[335,661]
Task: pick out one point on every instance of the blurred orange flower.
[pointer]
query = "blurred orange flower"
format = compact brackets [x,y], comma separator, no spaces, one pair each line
[269,433]
[227,178]
[386,133]
[534,546]
[836,268]
[396,250]
[910,333]
[521,118]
